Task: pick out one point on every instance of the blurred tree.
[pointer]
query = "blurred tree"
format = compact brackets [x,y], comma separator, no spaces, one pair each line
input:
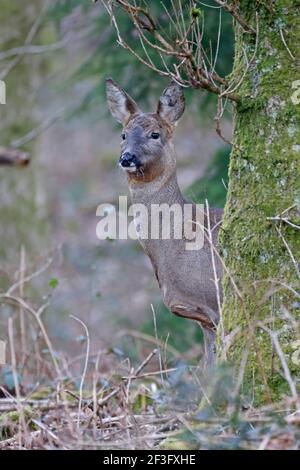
[260,234]
[20,25]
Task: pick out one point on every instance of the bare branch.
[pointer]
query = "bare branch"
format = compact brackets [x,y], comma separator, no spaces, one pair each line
[232,88]
[193,67]
[33,49]
[233,11]
[35,132]
[29,38]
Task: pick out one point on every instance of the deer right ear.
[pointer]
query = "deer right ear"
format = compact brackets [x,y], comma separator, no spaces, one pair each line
[120,104]
[171,103]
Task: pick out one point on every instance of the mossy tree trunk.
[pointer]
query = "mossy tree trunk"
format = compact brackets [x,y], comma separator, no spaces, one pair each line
[261,253]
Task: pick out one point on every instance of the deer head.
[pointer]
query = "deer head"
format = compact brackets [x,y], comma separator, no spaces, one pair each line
[146,145]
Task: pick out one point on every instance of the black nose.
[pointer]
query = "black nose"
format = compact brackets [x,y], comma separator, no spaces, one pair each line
[127,158]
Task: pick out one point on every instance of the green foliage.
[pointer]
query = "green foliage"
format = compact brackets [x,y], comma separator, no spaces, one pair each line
[180,333]
[196,12]
[53,282]
[212,186]
[9,422]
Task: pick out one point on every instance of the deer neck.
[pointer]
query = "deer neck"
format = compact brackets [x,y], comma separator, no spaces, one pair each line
[162,190]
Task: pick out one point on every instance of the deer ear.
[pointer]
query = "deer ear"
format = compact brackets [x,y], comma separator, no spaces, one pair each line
[120,104]
[171,103]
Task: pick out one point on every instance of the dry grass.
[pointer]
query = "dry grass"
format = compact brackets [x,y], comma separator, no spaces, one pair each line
[132,409]
[102,399]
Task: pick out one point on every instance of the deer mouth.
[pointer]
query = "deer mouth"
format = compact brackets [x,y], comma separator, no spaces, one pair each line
[130,163]
[132,168]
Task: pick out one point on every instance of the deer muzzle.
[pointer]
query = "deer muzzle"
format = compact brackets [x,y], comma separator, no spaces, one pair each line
[129,161]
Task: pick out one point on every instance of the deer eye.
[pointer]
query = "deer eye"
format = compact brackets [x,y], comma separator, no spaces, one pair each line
[123,136]
[155,135]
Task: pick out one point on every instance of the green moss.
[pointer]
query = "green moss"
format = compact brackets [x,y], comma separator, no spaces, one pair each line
[263,182]
[9,422]
[40,393]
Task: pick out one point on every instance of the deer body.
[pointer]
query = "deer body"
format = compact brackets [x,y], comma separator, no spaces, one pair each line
[186,278]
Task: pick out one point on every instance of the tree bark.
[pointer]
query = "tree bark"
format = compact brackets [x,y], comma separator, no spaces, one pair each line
[260,237]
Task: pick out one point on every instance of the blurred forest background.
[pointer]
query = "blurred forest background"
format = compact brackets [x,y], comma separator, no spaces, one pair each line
[55,56]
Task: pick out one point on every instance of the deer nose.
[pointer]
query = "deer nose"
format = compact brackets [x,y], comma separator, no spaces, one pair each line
[126,159]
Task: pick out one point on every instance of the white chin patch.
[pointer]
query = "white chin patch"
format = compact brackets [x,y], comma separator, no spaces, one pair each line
[131,169]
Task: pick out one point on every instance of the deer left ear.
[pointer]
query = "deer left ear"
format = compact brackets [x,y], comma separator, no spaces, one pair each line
[171,103]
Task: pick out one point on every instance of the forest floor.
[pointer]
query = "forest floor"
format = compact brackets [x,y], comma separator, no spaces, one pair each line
[103,399]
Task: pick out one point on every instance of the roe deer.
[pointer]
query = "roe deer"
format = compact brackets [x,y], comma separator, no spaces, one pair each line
[187,278]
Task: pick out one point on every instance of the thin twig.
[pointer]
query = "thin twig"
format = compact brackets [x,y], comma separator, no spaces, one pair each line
[85,366]
[21,416]
[32,50]
[294,261]
[29,38]
[285,220]
[285,44]
[216,280]
[135,373]
[233,11]
[27,307]
[286,370]
[29,277]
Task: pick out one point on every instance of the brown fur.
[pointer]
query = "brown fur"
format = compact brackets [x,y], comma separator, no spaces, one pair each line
[186,278]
